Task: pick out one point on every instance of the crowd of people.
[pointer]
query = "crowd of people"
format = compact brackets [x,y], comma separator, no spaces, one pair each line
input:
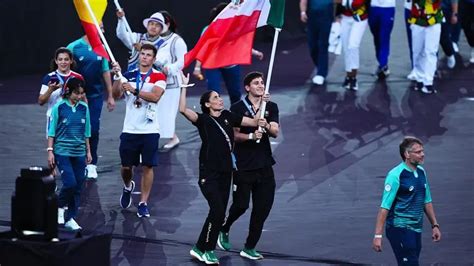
[153,88]
[428,24]
[235,150]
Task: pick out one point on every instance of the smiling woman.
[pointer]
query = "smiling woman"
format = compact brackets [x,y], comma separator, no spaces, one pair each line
[53,82]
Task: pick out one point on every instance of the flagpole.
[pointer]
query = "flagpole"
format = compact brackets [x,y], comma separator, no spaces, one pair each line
[102,37]
[263,105]
[127,26]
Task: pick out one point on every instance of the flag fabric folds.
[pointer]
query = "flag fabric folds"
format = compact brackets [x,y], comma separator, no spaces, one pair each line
[229,38]
[98,8]
[277,13]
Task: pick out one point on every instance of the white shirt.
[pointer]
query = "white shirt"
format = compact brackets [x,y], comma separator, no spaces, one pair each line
[383,3]
[136,121]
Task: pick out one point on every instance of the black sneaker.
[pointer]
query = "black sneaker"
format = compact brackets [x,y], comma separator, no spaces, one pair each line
[418,86]
[428,89]
[346,83]
[383,72]
[353,84]
[126,198]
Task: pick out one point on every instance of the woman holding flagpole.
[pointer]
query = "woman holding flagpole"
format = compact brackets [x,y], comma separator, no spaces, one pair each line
[216,162]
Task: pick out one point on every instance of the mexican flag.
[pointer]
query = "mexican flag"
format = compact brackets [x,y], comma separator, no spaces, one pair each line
[98,8]
[229,38]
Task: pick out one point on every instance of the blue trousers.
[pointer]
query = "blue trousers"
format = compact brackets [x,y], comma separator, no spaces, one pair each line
[319,28]
[73,176]
[231,78]
[406,244]
[95,110]
[408,29]
[446,32]
[381,21]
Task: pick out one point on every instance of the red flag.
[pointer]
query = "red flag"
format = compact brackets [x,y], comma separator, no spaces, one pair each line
[229,38]
[98,8]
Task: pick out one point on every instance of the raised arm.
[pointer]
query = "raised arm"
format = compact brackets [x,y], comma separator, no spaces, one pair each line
[188,113]
[127,38]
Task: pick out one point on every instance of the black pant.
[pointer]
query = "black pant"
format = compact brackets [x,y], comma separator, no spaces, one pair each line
[261,184]
[215,186]
[467,20]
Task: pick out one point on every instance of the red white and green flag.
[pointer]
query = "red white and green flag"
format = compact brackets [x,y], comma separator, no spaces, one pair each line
[229,38]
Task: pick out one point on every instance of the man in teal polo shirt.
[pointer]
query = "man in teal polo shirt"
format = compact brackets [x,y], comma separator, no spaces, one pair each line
[405,197]
[96,72]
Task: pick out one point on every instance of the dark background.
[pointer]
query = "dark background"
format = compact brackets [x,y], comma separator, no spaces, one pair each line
[31,30]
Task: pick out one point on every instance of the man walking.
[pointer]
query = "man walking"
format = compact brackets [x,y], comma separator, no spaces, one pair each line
[96,73]
[405,197]
[140,135]
[254,163]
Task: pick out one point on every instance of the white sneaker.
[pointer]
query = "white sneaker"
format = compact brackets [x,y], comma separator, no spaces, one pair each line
[173,143]
[412,76]
[61,215]
[472,56]
[91,171]
[72,225]
[455,47]
[318,80]
[451,62]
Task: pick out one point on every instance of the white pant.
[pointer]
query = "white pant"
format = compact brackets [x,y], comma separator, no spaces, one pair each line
[166,113]
[351,35]
[425,41]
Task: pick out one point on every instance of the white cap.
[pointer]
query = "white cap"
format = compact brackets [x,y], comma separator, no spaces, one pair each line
[158,17]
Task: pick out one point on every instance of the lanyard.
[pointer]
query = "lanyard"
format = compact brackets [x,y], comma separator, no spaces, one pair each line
[142,80]
[62,81]
[223,132]
[234,160]
[249,107]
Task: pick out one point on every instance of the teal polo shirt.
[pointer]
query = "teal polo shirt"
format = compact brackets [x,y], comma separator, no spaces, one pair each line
[405,194]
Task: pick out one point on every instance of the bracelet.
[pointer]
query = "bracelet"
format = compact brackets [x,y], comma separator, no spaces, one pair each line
[378,236]
[434,225]
[250,136]
[303,13]
[49,149]
[197,68]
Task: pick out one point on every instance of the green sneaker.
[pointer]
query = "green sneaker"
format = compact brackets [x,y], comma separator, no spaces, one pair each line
[210,257]
[251,254]
[223,241]
[197,254]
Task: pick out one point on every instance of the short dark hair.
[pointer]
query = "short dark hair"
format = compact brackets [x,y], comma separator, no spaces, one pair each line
[149,46]
[407,144]
[61,50]
[251,76]
[72,85]
[205,99]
